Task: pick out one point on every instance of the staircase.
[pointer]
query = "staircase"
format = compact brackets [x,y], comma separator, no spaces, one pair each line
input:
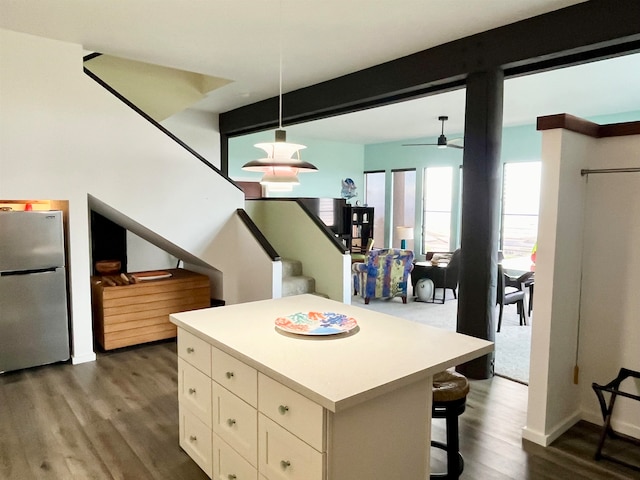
[293,282]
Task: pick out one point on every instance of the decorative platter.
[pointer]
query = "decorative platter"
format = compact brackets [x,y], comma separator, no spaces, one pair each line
[316,323]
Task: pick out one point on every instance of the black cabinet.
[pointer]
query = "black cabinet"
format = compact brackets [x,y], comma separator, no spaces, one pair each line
[358,227]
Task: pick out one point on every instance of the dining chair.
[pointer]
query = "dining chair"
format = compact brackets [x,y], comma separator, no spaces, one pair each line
[512,291]
[527,281]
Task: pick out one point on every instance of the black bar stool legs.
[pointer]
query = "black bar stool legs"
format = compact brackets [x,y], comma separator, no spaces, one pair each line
[450,412]
[449,402]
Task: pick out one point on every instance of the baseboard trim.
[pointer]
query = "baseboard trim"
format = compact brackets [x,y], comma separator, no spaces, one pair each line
[547,439]
[512,379]
[624,428]
[88,357]
[533,436]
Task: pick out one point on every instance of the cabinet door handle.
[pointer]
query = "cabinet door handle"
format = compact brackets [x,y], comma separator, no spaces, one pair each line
[229,374]
[193,438]
[285,464]
[192,391]
[283,409]
[190,350]
[231,422]
[231,476]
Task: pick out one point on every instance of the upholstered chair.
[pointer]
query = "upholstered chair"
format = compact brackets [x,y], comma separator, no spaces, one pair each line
[383,274]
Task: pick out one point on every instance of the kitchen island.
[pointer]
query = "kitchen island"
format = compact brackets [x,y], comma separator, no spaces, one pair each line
[255,399]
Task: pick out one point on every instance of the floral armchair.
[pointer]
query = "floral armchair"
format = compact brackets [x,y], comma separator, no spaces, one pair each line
[383,274]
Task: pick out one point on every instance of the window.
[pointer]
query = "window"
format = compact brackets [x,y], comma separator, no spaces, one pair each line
[520,204]
[374,197]
[404,205]
[436,209]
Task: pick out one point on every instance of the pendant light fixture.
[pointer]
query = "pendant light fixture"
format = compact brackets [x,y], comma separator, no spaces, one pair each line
[282,163]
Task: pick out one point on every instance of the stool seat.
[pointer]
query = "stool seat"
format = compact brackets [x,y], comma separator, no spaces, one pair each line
[449,386]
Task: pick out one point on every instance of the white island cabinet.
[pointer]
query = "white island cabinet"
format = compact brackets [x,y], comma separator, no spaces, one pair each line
[261,404]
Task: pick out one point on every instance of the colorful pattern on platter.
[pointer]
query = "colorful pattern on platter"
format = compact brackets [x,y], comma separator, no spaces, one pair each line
[316,323]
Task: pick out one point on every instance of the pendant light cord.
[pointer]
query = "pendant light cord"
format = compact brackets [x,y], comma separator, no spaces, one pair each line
[280,95]
[280,80]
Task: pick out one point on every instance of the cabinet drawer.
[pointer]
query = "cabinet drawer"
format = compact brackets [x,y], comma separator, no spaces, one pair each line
[227,464]
[235,421]
[195,351]
[194,391]
[284,456]
[235,376]
[294,412]
[195,439]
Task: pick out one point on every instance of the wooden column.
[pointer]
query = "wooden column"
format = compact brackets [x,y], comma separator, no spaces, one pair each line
[480,214]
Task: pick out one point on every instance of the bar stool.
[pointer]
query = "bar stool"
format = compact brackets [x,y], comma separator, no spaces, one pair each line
[449,401]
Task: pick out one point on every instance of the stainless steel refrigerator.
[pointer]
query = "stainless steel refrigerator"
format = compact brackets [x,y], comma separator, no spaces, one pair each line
[34,321]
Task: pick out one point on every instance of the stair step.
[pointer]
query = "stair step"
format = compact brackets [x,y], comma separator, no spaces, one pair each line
[291,268]
[297,285]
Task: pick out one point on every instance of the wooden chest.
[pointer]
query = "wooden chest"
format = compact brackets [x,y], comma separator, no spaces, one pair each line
[125,315]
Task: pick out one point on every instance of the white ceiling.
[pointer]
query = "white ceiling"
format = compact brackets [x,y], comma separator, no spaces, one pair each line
[322,39]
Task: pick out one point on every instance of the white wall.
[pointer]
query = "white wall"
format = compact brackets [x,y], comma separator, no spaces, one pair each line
[553,398]
[249,273]
[295,236]
[575,296]
[142,255]
[610,320]
[199,130]
[62,136]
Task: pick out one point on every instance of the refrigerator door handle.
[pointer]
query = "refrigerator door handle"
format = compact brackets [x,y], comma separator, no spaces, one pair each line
[27,272]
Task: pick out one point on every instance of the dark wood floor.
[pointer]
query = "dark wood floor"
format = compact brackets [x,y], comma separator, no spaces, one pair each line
[117,418]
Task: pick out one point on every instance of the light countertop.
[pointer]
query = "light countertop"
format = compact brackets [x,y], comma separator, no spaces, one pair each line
[336,371]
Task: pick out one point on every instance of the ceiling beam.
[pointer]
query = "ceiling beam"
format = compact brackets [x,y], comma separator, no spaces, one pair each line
[587,31]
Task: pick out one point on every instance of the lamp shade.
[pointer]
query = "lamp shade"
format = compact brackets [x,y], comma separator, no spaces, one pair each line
[279,178]
[280,154]
[404,233]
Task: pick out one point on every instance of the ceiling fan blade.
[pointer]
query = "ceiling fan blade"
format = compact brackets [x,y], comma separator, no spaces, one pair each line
[452,145]
[417,144]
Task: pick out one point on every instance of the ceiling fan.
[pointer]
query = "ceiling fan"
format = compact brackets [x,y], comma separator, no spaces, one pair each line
[442,139]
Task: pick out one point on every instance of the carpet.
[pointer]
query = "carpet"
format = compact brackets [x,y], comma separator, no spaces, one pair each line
[512,344]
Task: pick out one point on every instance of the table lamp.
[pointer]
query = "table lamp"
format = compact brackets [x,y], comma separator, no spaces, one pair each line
[404,233]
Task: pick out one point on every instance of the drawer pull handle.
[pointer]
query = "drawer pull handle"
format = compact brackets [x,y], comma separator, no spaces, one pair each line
[193,438]
[231,476]
[231,422]
[285,464]
[283,409]
[190,350]
[229,375]
[192,391]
